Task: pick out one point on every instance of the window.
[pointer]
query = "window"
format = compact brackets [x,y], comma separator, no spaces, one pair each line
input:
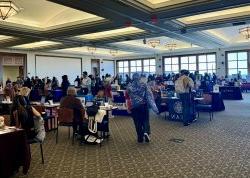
[135,66]
[237,62]
[207,63]
[123,68]
[171,64]
[189,63]
[149,66]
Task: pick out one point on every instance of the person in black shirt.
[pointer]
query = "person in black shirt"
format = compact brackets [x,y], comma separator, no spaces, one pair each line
[65,84]
[78,80]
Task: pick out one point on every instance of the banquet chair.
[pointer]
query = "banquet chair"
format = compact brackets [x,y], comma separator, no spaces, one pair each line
[205,105]
[65,118]
[30,141]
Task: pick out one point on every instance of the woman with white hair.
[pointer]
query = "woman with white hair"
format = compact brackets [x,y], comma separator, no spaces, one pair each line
[71,102]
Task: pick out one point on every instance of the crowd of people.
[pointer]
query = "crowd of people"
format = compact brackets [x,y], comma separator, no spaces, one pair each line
[88,84]
[142,92]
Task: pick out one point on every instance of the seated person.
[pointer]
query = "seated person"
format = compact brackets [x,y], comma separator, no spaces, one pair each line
[24,116]
[71,102]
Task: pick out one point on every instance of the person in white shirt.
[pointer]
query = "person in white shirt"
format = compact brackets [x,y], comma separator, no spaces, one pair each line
[86,83]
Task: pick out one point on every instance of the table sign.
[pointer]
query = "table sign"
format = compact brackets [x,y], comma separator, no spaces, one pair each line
[216,88]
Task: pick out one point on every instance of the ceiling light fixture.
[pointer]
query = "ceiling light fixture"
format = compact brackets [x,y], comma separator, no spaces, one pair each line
[8,9]
[113,52]
[91,50]
[154,43]
[171,46]
[245,32]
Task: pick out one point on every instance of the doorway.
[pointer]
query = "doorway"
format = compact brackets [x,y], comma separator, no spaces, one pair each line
[12,72]
[95,67]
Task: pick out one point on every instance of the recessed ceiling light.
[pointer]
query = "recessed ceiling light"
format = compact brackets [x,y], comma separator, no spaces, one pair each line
[205,17]
[111,33]
[37,44]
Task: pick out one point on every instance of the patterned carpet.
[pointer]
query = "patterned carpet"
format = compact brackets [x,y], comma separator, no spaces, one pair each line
[220,148]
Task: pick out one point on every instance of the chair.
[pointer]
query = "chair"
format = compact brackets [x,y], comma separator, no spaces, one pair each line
[205,105]
[29,141]
[65,118]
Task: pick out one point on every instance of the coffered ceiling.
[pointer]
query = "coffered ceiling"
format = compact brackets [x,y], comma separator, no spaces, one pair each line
[44,15]
[230,35]
[124,25]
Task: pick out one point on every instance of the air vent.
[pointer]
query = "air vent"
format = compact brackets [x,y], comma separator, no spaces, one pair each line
[239,23]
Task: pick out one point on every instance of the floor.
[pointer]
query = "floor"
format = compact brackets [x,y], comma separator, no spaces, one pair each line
[217,148]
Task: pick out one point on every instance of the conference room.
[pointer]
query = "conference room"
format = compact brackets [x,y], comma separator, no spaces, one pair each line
[124,88]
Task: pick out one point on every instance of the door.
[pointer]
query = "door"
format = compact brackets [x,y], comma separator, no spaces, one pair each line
[11,72]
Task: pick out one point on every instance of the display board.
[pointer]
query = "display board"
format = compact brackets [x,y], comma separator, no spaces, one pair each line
[57,66]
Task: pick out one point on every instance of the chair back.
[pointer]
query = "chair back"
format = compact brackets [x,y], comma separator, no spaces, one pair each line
[207,99]
[39,108]
[65,115]
[15,116]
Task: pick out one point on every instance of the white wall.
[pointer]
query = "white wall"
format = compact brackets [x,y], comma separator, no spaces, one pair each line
[86,60]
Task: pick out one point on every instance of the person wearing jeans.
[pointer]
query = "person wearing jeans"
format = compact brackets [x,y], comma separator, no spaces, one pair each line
[140,115]
[183,86]
[186,108]
[141,99]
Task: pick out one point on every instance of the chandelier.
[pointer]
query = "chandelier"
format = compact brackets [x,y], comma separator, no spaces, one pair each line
[154,43]
[8,9]
[91,50]
[245,32]
[113,52]
[170,46]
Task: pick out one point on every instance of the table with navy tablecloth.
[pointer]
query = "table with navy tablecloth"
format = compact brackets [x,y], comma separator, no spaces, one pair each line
[231,93]
[14,152]
[217,102]
[175,109]
[245,87]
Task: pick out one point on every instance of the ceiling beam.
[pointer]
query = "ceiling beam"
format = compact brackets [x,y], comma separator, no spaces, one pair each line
[117,11]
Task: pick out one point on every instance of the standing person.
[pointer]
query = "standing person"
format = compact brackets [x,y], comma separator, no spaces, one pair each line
[77,81]
[128,80]
[65,84]
[27,83]
[19,81]
[86,83]
[183,86]
[107,87]
[141,97]
[54,84]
